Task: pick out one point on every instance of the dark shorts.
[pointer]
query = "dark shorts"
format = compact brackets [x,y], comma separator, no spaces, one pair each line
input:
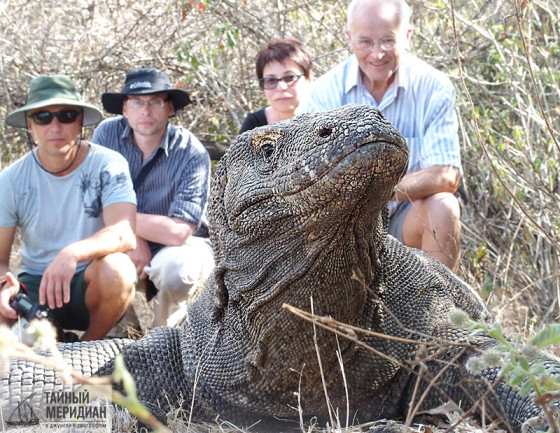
[396,220]
[73,315]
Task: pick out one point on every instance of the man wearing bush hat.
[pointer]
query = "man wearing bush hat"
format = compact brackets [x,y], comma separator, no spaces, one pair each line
[75,207]
[170,169]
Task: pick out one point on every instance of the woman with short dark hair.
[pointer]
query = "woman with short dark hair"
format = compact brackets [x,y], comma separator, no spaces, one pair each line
[284,69]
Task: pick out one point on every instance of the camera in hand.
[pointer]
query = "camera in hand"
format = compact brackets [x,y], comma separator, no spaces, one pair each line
[30,310]
[27,308]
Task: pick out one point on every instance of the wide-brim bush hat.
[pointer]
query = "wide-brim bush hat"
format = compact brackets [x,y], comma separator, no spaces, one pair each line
[144,81]
[47,90]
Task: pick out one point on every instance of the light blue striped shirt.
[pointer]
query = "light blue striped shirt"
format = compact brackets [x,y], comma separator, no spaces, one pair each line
[419,103]
[178,183]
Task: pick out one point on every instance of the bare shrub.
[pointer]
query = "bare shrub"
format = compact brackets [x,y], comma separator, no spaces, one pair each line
[501,55]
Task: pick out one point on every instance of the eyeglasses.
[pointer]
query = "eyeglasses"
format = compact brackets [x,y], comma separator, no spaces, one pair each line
[270,83]
[46,117]
[138,104]
[366,45]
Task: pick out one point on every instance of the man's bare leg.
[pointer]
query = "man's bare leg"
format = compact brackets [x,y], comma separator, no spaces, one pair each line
[433,225]
[110,290]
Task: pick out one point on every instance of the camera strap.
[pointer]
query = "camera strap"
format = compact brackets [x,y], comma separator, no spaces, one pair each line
[144,171]
[22,287]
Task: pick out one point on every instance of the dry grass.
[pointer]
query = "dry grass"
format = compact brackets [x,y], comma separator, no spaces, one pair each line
[504,63]
[503,57]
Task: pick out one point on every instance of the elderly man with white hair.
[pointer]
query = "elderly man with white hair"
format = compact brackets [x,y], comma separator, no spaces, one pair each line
[417,99]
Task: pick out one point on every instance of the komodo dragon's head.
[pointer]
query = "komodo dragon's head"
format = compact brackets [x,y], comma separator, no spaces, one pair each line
[305,172]
[288,194]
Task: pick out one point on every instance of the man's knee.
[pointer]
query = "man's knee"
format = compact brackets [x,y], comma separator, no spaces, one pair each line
[179,273]
[179,270]
[112,273]
[443,205]
[438,213]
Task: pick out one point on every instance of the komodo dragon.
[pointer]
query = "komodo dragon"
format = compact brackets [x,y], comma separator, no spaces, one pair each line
[298,216]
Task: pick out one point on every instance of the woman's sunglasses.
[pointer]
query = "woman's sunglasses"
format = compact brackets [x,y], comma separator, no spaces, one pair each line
[46,117]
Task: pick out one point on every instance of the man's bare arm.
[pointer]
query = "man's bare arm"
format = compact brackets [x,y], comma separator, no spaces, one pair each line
[7,235]
[163,229]
[116,237]
[426,182]
[8,286]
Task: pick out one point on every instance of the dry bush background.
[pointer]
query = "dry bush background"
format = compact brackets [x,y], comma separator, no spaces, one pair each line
[503,55]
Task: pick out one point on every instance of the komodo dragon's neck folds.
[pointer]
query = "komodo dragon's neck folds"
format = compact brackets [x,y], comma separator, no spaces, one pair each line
[298,216]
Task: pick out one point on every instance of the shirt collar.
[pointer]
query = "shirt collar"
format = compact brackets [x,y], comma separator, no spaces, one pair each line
[404,73]
[126,135]
[353,77]
[164,144]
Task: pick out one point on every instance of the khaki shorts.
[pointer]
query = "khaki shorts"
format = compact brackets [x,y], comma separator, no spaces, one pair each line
[73,315]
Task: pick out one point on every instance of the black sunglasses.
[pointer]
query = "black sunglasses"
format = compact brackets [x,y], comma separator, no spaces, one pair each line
[46,117]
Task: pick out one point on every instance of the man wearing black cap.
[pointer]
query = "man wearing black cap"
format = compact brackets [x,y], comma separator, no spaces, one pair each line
[170,169]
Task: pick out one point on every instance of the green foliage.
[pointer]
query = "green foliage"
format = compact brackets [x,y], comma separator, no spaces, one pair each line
[546,337]
[522,366]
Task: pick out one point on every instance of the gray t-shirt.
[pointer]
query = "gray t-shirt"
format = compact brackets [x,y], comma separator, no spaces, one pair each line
[55,211]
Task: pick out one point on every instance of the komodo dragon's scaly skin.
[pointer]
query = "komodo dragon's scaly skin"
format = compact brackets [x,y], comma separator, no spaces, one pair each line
[298,212]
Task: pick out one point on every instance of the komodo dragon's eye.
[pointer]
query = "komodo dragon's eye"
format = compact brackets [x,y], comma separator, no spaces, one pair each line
[324,131]
[268,150]
[265,143]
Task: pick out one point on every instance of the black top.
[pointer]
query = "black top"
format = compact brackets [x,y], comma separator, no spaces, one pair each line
[254,119]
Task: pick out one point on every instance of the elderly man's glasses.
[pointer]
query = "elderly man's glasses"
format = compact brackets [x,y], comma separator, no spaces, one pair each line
[366,45]
[270,83]
[138,104]
[46,117]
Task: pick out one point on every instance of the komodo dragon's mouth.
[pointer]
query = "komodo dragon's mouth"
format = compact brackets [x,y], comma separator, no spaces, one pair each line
[357,167]
[383,159]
